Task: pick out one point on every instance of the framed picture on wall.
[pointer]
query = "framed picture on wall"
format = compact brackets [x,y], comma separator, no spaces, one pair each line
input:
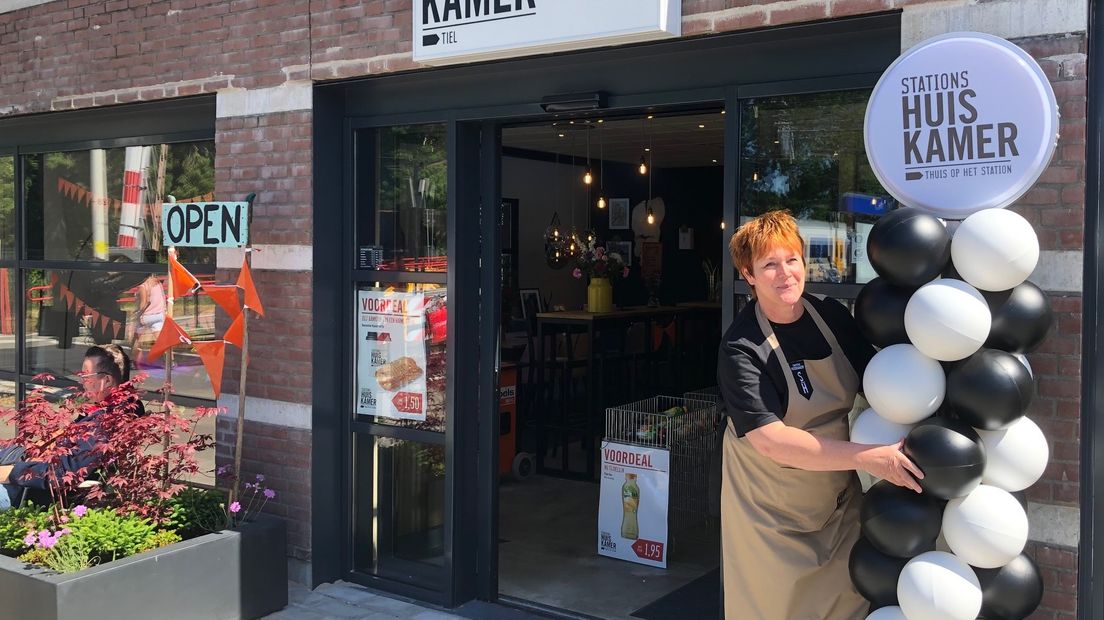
[624,248]
[619,214]
[531,304]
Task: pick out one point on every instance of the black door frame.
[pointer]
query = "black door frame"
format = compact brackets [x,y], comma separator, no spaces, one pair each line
[471,100]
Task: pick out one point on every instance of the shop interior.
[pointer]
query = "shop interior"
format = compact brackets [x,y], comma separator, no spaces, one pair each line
[638,199]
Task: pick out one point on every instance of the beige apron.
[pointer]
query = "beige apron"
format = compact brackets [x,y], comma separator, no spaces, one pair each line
[787,533]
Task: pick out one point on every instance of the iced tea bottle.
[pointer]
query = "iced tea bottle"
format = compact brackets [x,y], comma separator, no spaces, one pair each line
[630,502]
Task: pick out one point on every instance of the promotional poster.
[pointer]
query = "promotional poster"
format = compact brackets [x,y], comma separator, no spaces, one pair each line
[391,355]
[632,511]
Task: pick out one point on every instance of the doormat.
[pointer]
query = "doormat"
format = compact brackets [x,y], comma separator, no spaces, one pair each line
[701,598]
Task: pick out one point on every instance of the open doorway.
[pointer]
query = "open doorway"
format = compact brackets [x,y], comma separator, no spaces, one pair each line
[611,266]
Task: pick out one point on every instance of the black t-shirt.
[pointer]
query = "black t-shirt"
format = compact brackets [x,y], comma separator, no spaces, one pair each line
[750,374]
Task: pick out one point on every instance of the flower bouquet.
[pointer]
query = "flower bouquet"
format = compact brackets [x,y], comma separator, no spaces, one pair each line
[599,266]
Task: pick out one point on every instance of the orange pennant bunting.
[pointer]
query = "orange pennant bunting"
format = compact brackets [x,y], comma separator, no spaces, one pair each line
[235,334]
[245,281]
[95,317]
[115,327]
[170,336]
[226,296]
[104,320]
[213,354]
[184,283]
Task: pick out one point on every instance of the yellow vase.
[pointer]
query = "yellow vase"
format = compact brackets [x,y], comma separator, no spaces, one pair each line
[599,295]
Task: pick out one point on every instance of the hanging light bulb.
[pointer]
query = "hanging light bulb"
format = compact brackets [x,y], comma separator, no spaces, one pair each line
[722,224]
[651,214]
[643,165]
[601,201]
[754,176]
[588,178]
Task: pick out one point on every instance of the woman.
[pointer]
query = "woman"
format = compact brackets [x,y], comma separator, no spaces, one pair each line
[789,369]
[150,312]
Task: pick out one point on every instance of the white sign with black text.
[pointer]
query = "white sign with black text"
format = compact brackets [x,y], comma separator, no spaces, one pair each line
[632,509]
[960,123]
[391,355]
[456,31]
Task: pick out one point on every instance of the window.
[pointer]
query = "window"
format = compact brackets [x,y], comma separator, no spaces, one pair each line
[805,153]
[105,204]
[404,176]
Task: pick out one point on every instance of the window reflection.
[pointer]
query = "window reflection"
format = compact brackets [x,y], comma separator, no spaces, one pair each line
[805,153]
[7,207]
[400,500]
[402,214]
[68,311]
[105,204]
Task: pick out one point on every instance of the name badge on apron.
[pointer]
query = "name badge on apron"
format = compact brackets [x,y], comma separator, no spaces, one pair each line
[801,379]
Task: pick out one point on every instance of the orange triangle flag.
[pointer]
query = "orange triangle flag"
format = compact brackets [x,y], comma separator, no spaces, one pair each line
[226,296]
[115,327]
[170,336]
[212,353]
[184,283]
[236,332]
[104,320]
[245,281]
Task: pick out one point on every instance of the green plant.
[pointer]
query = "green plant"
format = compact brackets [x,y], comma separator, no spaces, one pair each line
[161,538]
[15,523]
[108,535]
[193,512]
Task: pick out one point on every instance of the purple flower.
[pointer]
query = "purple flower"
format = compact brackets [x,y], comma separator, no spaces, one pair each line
[224,470]
[79,511]
[269,493]
[249,485]
[576,273]
[65,531]
[260,477]
[235,507]
[625,273]
[29,539]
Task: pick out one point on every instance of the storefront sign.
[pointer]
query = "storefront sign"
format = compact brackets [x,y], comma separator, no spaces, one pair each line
[632,510]
[205,224]
[455,31]
[960,123]
[391,355]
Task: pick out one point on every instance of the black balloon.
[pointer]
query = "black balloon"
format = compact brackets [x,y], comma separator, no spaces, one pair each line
[880,312]
[908,247]
[949,453]
[1012,591]
[1021,318]
[874,573]
[989,390]
[900,522]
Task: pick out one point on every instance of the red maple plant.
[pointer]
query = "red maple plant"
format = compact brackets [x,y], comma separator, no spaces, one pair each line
[134,469]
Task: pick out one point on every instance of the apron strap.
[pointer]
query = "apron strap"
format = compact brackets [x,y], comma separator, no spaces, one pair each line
[772,339]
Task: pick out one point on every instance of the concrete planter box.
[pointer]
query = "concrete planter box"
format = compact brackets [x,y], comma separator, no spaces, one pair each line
[228,575]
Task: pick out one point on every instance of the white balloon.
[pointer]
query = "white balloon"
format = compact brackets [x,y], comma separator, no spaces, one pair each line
[887,613]
[903,385]
[871,428]
[995,249]
[1015,457]
[947,320]
[1023,359]
[987,528]
[938,586]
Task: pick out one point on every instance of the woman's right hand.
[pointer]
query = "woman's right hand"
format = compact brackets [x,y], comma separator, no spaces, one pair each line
[890,463]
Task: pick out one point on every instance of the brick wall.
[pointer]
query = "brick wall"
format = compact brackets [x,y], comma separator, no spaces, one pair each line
[81,53]
[282,455]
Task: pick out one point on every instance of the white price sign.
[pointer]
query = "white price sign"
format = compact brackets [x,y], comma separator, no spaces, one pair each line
[632,510]
[391,355]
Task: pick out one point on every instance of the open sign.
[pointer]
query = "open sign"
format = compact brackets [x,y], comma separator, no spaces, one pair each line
[205,224]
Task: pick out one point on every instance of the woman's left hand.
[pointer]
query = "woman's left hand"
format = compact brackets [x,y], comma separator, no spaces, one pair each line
[890,463]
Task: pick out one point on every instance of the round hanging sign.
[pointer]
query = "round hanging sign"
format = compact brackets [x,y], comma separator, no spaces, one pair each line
[959,123]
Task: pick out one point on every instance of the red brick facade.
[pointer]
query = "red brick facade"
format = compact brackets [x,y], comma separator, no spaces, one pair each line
[69,54]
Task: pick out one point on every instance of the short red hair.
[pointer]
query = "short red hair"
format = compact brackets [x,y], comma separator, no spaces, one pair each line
[758,236]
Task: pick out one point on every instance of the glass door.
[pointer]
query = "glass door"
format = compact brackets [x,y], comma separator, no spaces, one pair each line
[399,351]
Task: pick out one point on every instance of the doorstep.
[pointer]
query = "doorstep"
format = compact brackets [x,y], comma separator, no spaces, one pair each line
[341,601]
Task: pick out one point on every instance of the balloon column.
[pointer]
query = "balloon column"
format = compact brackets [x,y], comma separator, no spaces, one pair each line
[948,381]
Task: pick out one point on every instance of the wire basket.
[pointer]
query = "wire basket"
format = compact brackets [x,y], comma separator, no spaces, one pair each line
[660,421]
